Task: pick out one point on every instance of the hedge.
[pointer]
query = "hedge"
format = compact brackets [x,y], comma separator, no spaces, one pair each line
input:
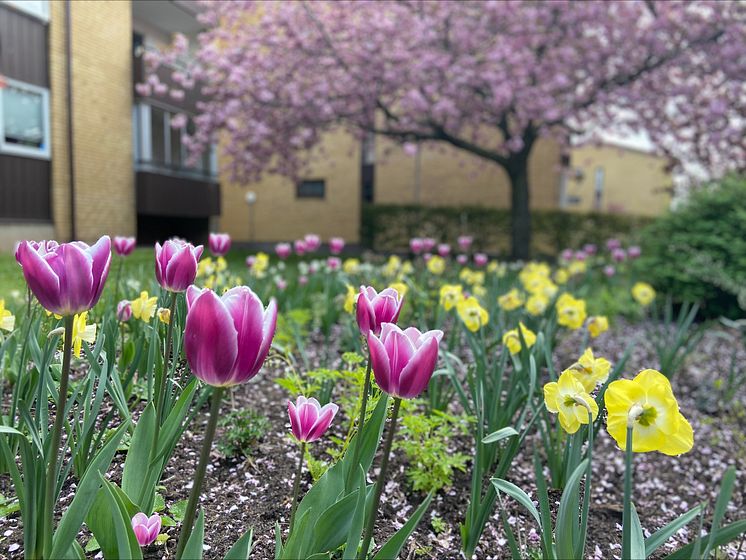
[388,228]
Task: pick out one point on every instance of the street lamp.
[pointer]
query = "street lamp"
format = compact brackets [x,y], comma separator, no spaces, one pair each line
[251,201]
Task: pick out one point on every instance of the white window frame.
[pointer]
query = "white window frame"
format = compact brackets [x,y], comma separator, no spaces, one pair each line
[44,152]
[26,7]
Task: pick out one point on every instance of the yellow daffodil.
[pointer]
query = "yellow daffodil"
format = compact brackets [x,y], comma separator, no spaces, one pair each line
[479,291]
[450,295]
[497,268]
[82,332]
[144,307]
[220,264]
[567,398]
[164,315]
[48,312]
[392,266]
[537,304]
[647,404]
[570,311]
[400,287]
[643,293]
[510,301]
[406,268]
[577,267]
[597,324]
[350,298]
[351,266]
[436,265]
[561,276]
[205,267]
[472,277]
[533,269]
[261,264]
[512,339]
[211,281]
[590,371]
[7,319]
[472,314]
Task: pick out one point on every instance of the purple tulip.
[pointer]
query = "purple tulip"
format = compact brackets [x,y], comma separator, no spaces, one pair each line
[41,247]
[613,243]
[336,245]
[283,250]
[590,249]
[480,259]
[309,420]
[403,361]
[579,255]
[566,255]
[633,251]
[313,242]
[444,249]
[146,528]
[300,247]
[124,311]
[333,263]
[619,255]
[250,260]
[416,245]
[428,244]
[123,246]
[374,309]
[226,339]
[176,264]
[68,278]
[462,259]
[427,256]
[464,242]
[220,244]
[609,271]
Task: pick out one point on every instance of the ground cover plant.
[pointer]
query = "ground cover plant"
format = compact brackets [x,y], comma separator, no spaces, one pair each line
[312,404]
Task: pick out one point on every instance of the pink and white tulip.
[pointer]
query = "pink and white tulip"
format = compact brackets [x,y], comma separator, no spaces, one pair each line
[444,249]
[464,242]
[300,247]
[480,259]
[336,245]
[416,245]
[68,278]
[374,309]
[227,338]
[309,420]
[124,311]
[283,250]
[462,259]
[333,263]
[123,246]
[313,242]
[220,244]
[403,361]
[428,244]
[176,264]
[146,528]
[633,251]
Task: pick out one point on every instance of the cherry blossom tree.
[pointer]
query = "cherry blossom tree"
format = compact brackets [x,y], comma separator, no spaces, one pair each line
[488,78]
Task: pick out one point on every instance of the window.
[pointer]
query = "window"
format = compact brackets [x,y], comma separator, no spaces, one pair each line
[313,188]
[24,120]
[37,8]
[598,190]
[159,145]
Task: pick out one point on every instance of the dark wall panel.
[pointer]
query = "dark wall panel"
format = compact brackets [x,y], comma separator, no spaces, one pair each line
[23,47]
[24,188]
[166,195]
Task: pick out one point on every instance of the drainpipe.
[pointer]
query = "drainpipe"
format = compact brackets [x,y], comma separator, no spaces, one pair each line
[69,103]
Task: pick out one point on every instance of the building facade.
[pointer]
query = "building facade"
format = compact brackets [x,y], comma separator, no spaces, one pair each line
[83,153]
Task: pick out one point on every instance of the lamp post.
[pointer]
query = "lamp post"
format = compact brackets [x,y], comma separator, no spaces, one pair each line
[251,201]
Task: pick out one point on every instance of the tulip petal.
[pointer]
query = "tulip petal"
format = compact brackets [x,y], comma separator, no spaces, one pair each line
[400,350]
[365,315]
[40,277]
[324,420]
[294,420]
[101,256]
[76,278]
[140,519]
[210,340]
[247,312]
[181,270]
[268,333]
[158,263]
[141,534]
[192,293]
[417,372]
[379,360]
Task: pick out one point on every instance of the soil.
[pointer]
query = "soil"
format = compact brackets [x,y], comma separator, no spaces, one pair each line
[255,492]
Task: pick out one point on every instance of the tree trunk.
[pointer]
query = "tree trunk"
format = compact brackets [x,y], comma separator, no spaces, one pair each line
[520,224]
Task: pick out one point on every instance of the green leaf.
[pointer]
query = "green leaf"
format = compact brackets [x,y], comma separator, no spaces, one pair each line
[356,526]
[137,482]
[126,543]
[637,544]
[394,545]
[567,516]
[726,490]
[500,434]
[193,548]
[242,548]
[178,510]
[722,536]
[517,494]
[333,526]
[85,495]
[657,539]
[92,545]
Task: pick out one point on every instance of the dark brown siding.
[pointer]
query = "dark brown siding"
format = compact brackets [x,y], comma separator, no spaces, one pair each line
[165,195]
[24,188]
[23,47]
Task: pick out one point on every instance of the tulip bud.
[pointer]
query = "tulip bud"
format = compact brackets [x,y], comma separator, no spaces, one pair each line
[416,245]
[123,246]
[444,249]
[462,259]
[480,259]
[300,247]
[309,420]
[613,243]
[124,311]
[176,264]
[220,244]
[403,361]
[283,250]
[566,255]
[374,309]
[146,528]
[590,249]
[333,263]
[227,338]
[464,242]
[609,271]
[66,279]
[619,255]
[313,242]
[164,315]
[633,251]
[428,244]
[336,245]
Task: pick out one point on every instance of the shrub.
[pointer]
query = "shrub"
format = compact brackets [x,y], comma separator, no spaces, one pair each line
[243,430]
[698,251]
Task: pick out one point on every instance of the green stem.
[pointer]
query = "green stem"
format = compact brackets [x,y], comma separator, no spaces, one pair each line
[116,284]
[381,481]
[160,396]
[361,423]
[199,476]
[627,513]
[296,485]
[586,490]
[54,448]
